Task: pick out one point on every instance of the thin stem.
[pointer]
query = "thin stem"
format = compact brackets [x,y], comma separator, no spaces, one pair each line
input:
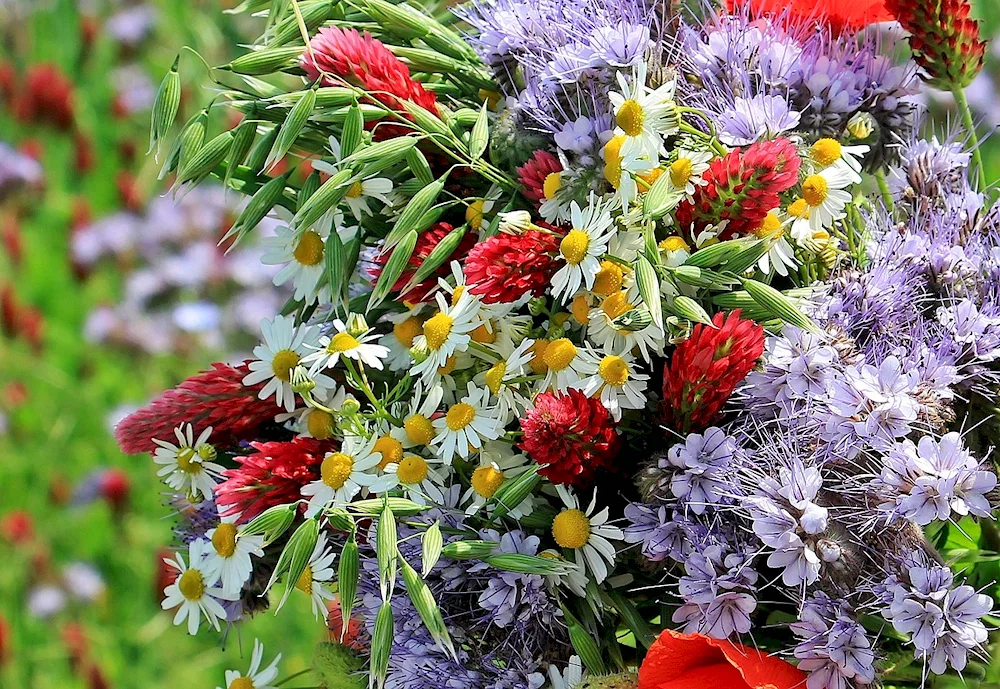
[966,112]
[883,187]
[293,676]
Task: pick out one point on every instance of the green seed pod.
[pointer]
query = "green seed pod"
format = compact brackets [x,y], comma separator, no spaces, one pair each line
[165,107]
[265,61]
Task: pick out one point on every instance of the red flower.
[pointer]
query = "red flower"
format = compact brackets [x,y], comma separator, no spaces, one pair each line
[686,661]
[364,61]
[115,486]
[533,174]
[741,188]
[706,368]
[273,475]
[215,398]
[5,644]
[425,245]
[47,96]
[574,435]
[351,638]
[17,527]
[944,39]
[840,15]
[505,267]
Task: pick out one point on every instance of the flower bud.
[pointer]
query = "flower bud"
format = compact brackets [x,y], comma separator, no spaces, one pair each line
[419,353]
[357,325]
[861,125]
[536,306]
[515,222]
[350,407]
[300,380]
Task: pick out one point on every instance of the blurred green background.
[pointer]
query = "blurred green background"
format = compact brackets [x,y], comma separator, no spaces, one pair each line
[59,392]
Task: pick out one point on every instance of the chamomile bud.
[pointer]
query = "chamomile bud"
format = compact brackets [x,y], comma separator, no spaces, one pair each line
[300,380]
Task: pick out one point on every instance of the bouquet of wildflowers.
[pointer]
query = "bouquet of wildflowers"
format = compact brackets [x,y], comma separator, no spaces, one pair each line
[632,344]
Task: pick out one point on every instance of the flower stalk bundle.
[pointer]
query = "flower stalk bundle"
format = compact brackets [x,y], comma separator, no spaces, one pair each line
[623,352]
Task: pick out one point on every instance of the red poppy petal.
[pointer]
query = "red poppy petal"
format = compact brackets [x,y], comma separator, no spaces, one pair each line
[721,676]
[760,671]
[839,14]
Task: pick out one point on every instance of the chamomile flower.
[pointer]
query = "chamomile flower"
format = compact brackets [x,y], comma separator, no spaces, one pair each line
[800,227]
[420,478]
[188,465]
[558,197]
[300,253]
[352,345]
[674,251]
[475,212]
[446,332]
[587,534]
[570,678]
[573,577]
[316,577]
[283,348]
[685,172]
[418,429]
[466,425]
[645,116]
[399,341]
[309,422]
[564,363]
[499,378]
[497,464]
[615,380]
[344,473]
[582,248]
[228,560]
[604,332]
[826,193]
[779,255]
[830,152]
[357,195]
[257,678]
[194,592]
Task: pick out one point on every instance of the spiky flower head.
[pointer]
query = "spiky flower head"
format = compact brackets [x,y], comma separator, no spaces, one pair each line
[505,267]
[426,243]
[536,173]
[944,39]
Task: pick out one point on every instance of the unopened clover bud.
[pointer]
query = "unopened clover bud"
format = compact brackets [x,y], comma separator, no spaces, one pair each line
[861,125]
[515,222]
[357,325]
[301,382]
[536,306]
[419,353]
[350,407]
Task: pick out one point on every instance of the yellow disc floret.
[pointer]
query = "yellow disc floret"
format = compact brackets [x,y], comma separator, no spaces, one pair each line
[571,529]
[616,305]
[770,226]
[283,363]
[484,335]
[614,370]
[609,278]
[486,481]
[474,214]
[436,330]
[305,581]
[559,354]
[537,363]
[390,449]
[224,539]
[419,429]
[309,250]
[406,330]
[580,308]
[613,160]
[412,470]
[354,191]
[630,117]
[494,377]
[681,171]
[336,469]
[552,184]
[186,461]
[671,244]
[460,415]
[192,584]
[342,342]
[815,190]
[241,683]
[827,151]
[574,245]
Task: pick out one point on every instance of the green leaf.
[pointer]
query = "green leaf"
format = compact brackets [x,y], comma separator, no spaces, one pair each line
[393,269]
[480,137]
[258,154]
[165,107]
[265,61]
[688,308]
[257,209]
[309,187]
[393,149]
[354,126]
[430,545]
[243,138]
[438,255]
[271,523]
[400,506]
[293,126]
[206,159]
[469,550]
[585,645]
[529,564]
[192,138]
[717,254]
[513,493]
[661,198]
[335,258]
[419,166]
[294,558]
[330,193]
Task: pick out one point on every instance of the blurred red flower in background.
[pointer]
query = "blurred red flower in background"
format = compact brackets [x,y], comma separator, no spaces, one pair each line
[840,15]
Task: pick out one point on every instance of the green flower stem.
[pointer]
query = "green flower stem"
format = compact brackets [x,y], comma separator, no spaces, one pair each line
[966,112]
[883,187]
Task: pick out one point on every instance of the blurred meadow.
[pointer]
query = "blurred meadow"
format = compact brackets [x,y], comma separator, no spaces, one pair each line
[108,294]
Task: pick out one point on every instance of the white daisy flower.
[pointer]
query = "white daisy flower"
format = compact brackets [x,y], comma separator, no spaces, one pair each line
[826,193]
[257,678]
[345,473]
[645,116]
[685,172]
[675,251]
[309,422]
[357,346]
[356,198]
[800,228]
[398,342]
[446,332]
[418,429]
[283,349]
[188,465]
[499,380]
[564,363]
[420,478]
[619,172]
[587,534]
[602,332]
[228,560]
[582,248]
[315,578]
[830,152]
[301,255]
[615,380]
[558,198]
[779,255]
[194,592]
[497,463]
[475,212]
[573,578]
[570,678]
[466,425]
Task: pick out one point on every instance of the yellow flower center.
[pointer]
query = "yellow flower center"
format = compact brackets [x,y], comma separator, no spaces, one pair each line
[241,683]
[580,309]
[560,354]
[484,335]
[486,481]
[681,171]
[457,294]
[574,245]
[309,250]
[185,461]
[412,470]
[609,278]
[407,330]
[419,429]
[827,151]
[283,363]
[460,415]
[552,184]
[616,305]
[494,377]
[336,469]
[305,581]
[571,529]
[390,449]
[630,117]
[799,209]
[192,584]
[449,366]
[474,214]
[613,161]
[770,226]
[355,191]
[814,190]
[319,424]
[537,363]
[342,342]
[671,244]
[436,330]
[650,178]
[224,539]
[613,370]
